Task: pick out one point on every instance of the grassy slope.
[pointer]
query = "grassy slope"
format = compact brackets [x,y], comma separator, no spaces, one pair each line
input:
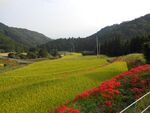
[47,84]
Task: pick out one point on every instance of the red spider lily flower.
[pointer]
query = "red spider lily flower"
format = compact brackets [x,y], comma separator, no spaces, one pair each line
[134,71]
[86,93]
[112,88]
[108,103]
[73,111]
[61,109]
[64,109]
[109,97]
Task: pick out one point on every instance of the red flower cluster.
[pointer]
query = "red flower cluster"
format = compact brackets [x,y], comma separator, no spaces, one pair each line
[86,93]
[137,85]
[109,88]
[108,103]
[64,109]
[112,88]
[134,71]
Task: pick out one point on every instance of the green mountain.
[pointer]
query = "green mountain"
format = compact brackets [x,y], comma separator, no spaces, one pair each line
[7,44]
[17,38]
[14,38]
[125,31]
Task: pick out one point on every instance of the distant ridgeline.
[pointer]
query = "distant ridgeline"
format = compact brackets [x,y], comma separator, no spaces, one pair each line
[17,39]
[115,40]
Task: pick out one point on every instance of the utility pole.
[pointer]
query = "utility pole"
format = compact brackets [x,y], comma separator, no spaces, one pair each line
[73,47]
[97,46]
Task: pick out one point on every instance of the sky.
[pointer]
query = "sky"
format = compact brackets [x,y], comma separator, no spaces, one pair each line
[70,18]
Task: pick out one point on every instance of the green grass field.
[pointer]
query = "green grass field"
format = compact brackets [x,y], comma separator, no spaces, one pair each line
[44,85]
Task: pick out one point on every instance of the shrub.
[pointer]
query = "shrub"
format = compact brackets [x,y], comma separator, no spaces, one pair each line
[19,55]
[55,53]
[42,53]
[31,55]
[22,56]
[133,60]
[147,51]
[11,55]
[84,53]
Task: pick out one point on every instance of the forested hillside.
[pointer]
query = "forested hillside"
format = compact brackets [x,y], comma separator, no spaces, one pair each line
[125,30]
[115,40]
[16,38]
[111,35]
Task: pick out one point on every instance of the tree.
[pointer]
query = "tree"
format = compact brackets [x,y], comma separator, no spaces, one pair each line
[42,53]
[147,51]
[31,55]
[54,52]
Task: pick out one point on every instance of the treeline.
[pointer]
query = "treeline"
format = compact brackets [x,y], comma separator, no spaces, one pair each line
[70,44]
[34,53]
[113,47]
[117,46]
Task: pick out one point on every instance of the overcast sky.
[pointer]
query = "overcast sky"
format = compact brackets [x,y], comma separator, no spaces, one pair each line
[69,18]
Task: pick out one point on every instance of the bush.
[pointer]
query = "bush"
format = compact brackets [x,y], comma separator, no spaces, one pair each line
[19,55]
[31,55]
[5,65]
[42,53]
[55,53]
[133,60]
[147,51]
[11,55]
[22,56]
[84,53]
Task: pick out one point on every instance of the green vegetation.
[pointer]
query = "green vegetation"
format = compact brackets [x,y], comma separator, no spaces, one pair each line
[126,30]
[7,44]
[47,84]
[132,60]
[147,51]
[31,54]
[127,37]
[121,39]
[7,65]
[17,39]
[113,95]
[115,46]
[140,105]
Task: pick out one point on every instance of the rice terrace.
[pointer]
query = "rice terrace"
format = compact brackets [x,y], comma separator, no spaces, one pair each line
[47,84]
[74,56]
